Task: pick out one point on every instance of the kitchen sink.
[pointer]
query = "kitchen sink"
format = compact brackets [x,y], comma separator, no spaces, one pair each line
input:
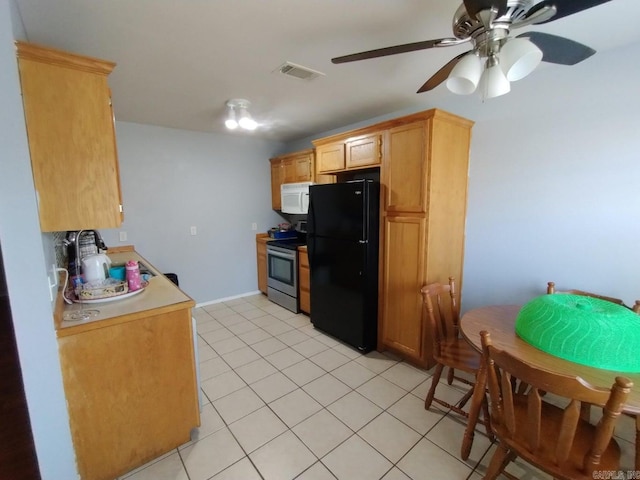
[144,270]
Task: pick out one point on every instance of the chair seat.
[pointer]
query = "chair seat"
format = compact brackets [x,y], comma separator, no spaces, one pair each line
[459,354]
[550,429]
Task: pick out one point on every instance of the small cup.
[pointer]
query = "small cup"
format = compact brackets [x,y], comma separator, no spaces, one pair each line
[117,272]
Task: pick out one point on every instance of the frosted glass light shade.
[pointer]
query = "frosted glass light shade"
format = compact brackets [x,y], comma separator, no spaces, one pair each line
[246,121]
[493,82]
[231,123]
[465,76]
[519,57]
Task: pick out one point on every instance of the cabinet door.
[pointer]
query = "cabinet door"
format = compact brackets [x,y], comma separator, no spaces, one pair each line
[71,139]
[406,167]
[131,391]
[364,152]
[289,167]
[277,176]
[261,254]
[402,326]
[303,282]
[304,165]
[330,157]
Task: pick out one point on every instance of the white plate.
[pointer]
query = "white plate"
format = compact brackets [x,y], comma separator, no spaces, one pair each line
[111,299]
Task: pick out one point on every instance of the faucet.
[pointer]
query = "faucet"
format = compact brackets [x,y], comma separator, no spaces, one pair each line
[73,239]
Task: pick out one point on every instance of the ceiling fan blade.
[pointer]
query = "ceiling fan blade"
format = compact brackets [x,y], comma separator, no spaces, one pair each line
[566,7]
[441,75]
[473,7]
[559,50]
[407,47]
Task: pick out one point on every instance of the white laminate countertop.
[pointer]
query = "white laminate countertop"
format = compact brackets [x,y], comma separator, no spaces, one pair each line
[160,294]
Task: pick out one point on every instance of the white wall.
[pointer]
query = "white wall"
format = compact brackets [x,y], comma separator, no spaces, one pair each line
[25,269]
[553,190]
[553,193]
[174,179]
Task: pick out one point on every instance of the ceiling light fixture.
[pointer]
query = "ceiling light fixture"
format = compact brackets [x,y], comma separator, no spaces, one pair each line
[238,115]
[505,60]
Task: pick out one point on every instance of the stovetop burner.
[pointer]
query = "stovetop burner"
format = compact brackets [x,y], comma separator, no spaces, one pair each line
[289,243]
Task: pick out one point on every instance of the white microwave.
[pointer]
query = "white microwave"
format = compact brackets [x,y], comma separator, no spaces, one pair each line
[294,197]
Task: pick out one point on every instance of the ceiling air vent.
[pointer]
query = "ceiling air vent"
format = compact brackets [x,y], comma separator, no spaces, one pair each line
[298,71]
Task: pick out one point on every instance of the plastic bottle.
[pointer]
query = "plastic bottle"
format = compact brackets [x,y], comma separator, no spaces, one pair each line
[133,275]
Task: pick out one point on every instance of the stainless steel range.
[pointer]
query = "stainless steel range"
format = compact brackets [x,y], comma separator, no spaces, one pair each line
[282,273]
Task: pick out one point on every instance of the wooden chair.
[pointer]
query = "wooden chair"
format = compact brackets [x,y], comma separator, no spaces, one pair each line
[452,351]
[554,439]
[586,410]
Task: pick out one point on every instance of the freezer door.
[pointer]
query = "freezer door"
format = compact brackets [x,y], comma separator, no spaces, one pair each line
[338,210]
[343,304]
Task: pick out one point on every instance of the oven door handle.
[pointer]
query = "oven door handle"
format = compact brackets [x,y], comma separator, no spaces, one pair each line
[278,254]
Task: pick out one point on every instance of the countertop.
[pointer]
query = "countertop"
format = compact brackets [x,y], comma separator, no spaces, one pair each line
[161,295]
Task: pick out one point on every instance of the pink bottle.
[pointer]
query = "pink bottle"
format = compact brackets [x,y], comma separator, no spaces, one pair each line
[133,275]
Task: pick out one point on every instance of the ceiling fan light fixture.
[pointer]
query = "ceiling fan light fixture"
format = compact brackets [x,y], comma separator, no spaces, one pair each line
[231,123]
[519,57]
[493,82]
[246,121]
[242,118]
[466,74]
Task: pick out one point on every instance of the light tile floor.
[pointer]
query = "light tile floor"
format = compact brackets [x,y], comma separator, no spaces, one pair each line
[282,400]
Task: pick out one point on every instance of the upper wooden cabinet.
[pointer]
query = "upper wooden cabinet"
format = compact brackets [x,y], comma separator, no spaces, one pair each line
[330,157]
[364,152]
[71,132]
[357,152]
[290,168]
[406,168]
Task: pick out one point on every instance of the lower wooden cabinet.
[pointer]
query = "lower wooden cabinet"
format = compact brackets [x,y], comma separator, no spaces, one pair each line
[131,391]
[290,168]
[304,289]
[261,256]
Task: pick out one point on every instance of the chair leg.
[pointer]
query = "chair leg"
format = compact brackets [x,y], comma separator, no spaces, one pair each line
[487,418]
[434,383]
[450,375]
[478,401]
[499,462]
[637,463]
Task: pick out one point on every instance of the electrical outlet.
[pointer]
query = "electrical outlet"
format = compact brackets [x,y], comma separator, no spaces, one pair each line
[194,231]
[254,226]
[123,236]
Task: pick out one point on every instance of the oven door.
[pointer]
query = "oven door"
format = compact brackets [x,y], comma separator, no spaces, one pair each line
[282,270]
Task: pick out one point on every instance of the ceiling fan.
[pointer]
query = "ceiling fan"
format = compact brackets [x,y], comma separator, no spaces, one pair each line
[496,59]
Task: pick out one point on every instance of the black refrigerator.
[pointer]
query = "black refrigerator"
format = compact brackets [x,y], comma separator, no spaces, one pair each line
[342,243]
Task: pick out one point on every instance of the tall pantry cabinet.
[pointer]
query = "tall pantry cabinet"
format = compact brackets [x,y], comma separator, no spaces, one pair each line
[424,187]
[71,133]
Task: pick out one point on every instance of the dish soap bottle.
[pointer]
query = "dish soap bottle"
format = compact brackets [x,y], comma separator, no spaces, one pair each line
[133,275]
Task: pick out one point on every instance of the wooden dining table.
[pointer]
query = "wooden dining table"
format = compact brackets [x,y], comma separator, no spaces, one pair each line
[500,320]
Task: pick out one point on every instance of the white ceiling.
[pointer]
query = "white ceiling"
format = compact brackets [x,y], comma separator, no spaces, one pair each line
[179,61]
